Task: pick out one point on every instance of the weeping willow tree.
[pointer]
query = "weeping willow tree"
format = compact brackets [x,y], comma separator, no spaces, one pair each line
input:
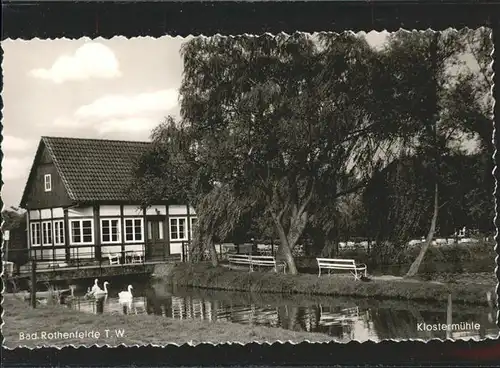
[219,213]
[285,116]
[169,172]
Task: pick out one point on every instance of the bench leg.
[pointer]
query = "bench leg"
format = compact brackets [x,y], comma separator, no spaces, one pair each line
[319,273]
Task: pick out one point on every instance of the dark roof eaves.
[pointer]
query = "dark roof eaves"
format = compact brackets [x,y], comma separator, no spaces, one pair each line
[30,175]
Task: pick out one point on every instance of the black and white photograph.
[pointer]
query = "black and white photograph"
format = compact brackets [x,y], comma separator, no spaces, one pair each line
[249,188]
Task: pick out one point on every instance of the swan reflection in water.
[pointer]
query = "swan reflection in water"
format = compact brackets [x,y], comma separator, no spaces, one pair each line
[133,306]
[99,303]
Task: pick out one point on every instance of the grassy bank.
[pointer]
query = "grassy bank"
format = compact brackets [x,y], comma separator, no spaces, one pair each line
[20,319]
[452,258]
[206,276]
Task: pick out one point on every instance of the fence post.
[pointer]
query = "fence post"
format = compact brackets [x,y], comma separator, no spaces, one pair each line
[33,283]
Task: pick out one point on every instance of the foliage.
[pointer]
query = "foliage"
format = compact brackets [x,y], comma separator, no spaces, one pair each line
[281,134]
[168,171]
[290,117]
[13,218]
[429,112]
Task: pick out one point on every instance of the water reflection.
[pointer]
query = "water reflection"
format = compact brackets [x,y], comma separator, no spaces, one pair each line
[343,318]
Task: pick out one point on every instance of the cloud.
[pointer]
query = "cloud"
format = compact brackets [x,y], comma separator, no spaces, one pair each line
[15,167]
[92,60]
[131,125]
[122,113]
[122,106]
[66,122]
[16,144]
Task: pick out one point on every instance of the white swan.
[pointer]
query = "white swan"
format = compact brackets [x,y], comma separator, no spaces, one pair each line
[101,292]
[125,295]
[95,287]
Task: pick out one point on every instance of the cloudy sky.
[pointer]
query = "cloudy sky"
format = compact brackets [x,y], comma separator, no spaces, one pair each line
[115,89]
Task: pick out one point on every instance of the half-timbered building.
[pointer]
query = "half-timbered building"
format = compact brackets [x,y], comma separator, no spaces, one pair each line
[78,207]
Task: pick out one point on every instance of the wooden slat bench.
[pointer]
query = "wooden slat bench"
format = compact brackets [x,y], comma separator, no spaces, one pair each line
[345,315]
[341,264]
[251,261]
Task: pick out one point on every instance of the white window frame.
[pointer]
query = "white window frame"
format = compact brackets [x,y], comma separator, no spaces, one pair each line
[119,232]
[71,222]
[191,232]
[133,226]
[177,225]
[36,229]
[47,182]
[47,228]
[59,233]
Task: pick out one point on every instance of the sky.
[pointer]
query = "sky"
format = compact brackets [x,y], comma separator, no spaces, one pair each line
[115,89]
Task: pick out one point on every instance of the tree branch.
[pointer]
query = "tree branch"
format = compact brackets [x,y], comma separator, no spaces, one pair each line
[308,198]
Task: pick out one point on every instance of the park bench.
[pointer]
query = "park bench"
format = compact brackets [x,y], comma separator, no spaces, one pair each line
[345,315]
[341,264]
[259,261]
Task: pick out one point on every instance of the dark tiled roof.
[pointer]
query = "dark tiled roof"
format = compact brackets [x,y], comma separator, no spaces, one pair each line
[95,169]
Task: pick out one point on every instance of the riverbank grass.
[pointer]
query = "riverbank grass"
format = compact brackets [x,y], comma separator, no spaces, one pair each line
[204,275]
[50,322]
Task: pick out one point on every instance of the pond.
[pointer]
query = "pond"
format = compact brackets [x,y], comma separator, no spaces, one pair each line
[344,319]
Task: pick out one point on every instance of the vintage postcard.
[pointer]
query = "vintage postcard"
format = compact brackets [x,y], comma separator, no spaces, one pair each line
[287,187]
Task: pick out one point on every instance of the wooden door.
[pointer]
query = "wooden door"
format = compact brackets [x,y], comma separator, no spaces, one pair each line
[157,246]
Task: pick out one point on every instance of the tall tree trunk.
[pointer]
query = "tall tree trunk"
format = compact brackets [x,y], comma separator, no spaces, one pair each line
[200,243]
[416,263]
[289,240]
[284,249]
[433,135]
[210,244]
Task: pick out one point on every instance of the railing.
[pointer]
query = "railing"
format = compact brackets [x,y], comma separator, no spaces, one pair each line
[78,257]
[56,258]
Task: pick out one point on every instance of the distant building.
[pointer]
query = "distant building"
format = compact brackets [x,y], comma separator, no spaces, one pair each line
[78,208]
[14,241]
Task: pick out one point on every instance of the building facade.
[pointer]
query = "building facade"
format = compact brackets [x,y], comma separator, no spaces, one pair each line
[78,208]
